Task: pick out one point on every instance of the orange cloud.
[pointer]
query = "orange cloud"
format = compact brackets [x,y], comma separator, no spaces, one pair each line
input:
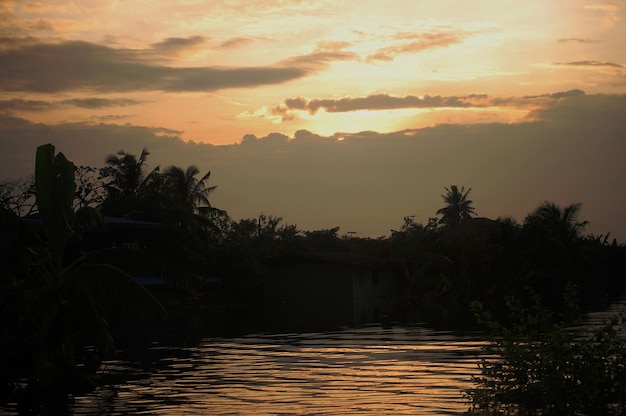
[235,42]
[418,43]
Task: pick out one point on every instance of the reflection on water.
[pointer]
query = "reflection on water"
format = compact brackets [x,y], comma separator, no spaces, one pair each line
[371,370]
[368,370]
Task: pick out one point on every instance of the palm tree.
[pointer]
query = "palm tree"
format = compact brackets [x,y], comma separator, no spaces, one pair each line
[192,191]
[126,177]
[458,208]
[563,222]
[127,172]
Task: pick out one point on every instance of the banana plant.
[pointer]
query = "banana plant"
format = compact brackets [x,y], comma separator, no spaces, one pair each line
[60,299]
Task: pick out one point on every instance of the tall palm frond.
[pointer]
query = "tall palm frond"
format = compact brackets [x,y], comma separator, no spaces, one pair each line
[561,220]
[458,207]
[190,189]
[202,191]
[128,171]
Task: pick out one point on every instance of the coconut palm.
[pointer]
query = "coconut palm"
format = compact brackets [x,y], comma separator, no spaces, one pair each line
[563,222]
[458,208]
[127,172]
[191,190]
[126,179]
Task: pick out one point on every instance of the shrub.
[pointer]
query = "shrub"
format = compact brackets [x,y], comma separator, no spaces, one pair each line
[538,365]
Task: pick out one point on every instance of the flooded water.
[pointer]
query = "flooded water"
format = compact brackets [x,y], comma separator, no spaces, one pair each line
[369,370]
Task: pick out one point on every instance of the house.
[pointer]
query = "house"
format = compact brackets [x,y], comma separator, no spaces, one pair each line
[315,290]
[123,232]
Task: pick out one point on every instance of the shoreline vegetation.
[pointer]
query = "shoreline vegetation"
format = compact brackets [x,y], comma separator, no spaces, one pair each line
[81,247]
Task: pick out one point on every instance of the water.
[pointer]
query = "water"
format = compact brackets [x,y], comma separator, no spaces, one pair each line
[369,370]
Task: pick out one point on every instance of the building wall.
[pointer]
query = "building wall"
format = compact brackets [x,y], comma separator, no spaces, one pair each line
[375,294]
[311,292]
[308,294]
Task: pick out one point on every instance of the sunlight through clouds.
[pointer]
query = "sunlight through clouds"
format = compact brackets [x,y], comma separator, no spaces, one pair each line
[209,74]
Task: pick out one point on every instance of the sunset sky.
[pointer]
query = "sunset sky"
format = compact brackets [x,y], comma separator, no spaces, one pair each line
[332,113]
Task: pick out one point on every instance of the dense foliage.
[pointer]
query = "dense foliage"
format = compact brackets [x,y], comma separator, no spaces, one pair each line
[493,260]
[542,365]
[55,300]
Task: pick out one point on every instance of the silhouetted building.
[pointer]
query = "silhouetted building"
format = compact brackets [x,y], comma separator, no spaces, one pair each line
[320,290]
[123,233]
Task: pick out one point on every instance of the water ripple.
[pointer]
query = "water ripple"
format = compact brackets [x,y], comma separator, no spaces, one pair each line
[370,370]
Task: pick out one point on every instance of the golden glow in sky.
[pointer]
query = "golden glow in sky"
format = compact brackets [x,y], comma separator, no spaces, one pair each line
[215,71]
[369,108]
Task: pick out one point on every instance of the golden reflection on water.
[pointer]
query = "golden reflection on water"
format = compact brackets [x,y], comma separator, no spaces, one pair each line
[396,371]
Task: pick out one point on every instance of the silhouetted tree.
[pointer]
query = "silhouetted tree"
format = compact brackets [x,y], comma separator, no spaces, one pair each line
[90,188]
[191,190]
[53,297]
[324,240]
[127,172]
[562,222]
[458,207]
[125,177]
[18,195]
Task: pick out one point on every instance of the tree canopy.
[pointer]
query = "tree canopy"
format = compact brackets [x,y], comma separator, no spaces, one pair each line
[458,207]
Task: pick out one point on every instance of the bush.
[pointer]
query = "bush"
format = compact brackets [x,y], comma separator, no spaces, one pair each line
[538,366]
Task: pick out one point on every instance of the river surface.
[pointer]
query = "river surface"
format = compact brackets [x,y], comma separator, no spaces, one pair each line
[368,370]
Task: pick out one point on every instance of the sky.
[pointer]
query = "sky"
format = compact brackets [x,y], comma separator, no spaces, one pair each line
[353,114]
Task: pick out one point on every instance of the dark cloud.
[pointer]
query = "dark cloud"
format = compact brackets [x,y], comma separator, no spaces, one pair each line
[249,139]
[284,113]
[298,103]
[566,94]
[174,46]
[387,102]
[18,104]
[94,103]
[603,111]
[368,181]
[112,117]
[323,54]
[78,65]
[541,99]
[376,102]
[305,135]
[593,64]
[578,40]
[14,42]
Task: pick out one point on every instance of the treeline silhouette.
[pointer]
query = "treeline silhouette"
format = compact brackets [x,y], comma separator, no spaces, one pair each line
[453,260]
